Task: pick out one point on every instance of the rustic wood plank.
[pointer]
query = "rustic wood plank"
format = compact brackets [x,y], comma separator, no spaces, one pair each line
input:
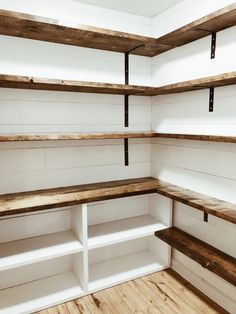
[16,203]
[202,202]
[36,83]
[206,255]
[220,80]
[73,136]
[115,135]
[67,196]
[25,82]
[69,33]
[213,22]
[198,137]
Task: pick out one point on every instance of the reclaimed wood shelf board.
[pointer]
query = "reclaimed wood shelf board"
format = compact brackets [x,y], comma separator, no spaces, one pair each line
[219,208]
[67,196]
[16,203]
[26,82]
[198,137]
[73,136]
[197,84]
[69,33]
[206,255]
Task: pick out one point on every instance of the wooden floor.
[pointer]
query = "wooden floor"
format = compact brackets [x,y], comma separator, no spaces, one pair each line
[163,292]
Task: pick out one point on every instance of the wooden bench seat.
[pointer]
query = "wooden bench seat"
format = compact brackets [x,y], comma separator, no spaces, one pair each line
[16,203]
[206,255]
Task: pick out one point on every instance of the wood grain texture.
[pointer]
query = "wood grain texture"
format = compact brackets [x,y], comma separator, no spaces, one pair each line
[24,137]
[26,82]
[210,205]
[73,136]
[16,203]
[214,22]
[57,31]
[67,196]
[197,84]
[198,137]
[161,292]
[206,255]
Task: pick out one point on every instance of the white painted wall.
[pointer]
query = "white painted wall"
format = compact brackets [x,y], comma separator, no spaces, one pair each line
[208,168]
[29,166]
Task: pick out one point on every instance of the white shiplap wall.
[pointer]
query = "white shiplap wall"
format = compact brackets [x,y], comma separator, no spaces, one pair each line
[208,168]
[29,166]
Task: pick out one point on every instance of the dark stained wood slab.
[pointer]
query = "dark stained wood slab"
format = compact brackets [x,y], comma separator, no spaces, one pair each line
[197,137]
[26,82]
[57,31]
[206,255]
[73,136]
[202,202]
[69,33]
[17,203]
[214,22]
[115,135]
[197,84]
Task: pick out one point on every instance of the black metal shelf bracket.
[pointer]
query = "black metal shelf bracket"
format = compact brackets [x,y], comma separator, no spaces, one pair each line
[126,103]
[205,216]
[211,99]
[213,41]
[126,150]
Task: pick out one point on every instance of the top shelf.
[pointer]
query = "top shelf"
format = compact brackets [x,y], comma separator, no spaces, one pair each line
[56,31]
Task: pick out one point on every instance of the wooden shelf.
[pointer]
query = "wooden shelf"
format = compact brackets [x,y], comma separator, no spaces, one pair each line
[16,203]
[204,203]
[35,295]
[122,230]
[198,84]
[73,136]
[27,251]
[57,31]
[198,137]
[26,82]
[209,257]
[214,22]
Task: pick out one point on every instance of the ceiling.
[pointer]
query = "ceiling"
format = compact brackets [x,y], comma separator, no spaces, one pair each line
[147,8]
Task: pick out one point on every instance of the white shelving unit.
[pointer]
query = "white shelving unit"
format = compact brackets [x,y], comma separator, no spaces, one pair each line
[58,255]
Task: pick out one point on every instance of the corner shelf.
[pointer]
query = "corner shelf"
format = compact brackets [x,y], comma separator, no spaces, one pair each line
[32,250]
[122,230]
[209,257]
[57,31]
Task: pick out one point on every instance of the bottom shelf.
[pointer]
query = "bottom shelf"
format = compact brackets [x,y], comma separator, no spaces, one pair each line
[38,294]
[125,268]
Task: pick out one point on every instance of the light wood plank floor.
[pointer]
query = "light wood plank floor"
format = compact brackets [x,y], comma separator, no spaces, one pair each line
[163,292]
